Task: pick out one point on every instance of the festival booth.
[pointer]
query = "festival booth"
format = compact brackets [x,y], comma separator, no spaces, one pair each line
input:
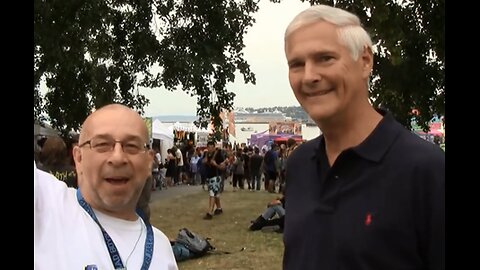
[278,132]
[185,133]
[202,137]
[265,138]
[164,136]
[259,139]
[283,139]
[282,131]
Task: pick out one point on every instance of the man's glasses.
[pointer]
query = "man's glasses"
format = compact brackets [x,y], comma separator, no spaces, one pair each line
[104,145]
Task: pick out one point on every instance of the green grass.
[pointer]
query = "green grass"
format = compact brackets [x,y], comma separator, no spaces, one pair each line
[228,231]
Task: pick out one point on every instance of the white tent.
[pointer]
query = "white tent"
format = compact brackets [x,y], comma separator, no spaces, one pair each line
[38,130]
[187,127]
[160,131]
[164,134]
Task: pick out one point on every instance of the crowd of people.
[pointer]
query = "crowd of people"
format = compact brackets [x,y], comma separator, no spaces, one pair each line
[370,193]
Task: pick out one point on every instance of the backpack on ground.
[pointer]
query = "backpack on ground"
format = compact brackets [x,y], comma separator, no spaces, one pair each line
[195,243]
[180,252]
[189,245]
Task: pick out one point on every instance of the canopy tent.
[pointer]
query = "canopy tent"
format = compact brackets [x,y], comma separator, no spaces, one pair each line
[284,139]
[260,134]
[259,139]
[202,137]
[39,130]
[187,127]
[164,134]
[263,138]
[161,132]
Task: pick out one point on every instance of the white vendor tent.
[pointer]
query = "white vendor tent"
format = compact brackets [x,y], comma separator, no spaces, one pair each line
[161,131]
[164,134]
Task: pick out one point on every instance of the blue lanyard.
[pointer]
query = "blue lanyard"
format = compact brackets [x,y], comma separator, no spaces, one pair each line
[112,249]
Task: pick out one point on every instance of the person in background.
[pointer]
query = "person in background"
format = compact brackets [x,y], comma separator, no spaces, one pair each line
[194,167]
[98,225]
[170,162]
[291,145]
[367,193]
[143,202]
[214,163]
[238,170]
[201,167]
[274,215]
[144,199]
[55,160]
[271,172]
[179,165]
[246,154]
[256,162]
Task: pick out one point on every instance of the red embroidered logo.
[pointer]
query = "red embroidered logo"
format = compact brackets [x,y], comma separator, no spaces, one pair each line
[368,219]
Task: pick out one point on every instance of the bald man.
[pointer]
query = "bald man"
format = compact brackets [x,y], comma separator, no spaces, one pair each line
[98,225]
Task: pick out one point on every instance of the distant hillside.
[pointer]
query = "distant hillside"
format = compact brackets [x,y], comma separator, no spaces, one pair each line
[295,112]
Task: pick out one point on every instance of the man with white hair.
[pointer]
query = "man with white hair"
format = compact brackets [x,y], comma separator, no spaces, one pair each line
[367,193]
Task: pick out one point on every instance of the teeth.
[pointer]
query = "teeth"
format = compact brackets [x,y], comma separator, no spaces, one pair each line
[322,92]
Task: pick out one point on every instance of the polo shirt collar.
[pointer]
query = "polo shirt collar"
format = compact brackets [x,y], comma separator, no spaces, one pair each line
[375,146]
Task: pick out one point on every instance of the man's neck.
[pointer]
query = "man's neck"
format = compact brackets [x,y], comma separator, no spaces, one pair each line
[125,215]
[348,131]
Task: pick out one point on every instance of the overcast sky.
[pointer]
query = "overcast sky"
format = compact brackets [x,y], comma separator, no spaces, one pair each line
[264,53]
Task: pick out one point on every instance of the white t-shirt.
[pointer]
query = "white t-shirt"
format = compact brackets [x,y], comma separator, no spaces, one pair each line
[179,156]
[159,157]
[66,237]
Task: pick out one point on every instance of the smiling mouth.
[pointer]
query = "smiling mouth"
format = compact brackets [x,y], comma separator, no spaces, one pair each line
[318,93]
[117,181]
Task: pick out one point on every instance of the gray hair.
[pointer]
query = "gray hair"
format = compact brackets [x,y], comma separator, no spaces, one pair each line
[350,31]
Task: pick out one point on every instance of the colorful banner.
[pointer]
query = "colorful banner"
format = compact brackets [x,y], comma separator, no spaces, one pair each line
[228,119]
[289,128]
[148,123]
[231,123]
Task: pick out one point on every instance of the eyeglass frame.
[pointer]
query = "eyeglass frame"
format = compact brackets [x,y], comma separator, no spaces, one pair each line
[112,146]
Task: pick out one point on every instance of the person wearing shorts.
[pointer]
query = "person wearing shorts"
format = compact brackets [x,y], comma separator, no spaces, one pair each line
[214,165]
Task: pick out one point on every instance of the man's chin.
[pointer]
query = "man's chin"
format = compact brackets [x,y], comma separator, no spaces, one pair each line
[116,202]
[319,114]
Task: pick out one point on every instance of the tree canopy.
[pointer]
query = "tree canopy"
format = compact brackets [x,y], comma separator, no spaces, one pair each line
[91,53]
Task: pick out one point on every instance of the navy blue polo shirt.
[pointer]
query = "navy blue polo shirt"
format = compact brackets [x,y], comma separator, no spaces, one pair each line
[381,205]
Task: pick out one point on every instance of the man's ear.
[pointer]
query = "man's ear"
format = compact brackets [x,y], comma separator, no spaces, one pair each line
[366,59]
[77,154]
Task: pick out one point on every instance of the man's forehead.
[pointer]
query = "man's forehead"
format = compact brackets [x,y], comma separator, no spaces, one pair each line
[102,121]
